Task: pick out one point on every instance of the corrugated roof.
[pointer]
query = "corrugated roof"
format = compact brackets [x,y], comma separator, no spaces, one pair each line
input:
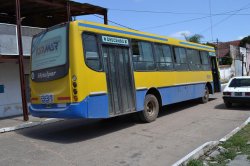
[45,13]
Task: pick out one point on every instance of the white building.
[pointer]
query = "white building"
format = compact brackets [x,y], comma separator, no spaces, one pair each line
[10,91]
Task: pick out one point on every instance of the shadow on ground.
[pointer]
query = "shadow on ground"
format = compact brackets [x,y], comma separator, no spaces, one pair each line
[237,107]
[71,131]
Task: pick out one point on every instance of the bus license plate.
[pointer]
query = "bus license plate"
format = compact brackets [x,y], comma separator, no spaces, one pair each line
[47,98]
[237,94]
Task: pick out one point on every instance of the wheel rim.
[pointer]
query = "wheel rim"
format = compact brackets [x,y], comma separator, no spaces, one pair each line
[206,96]
[151,106]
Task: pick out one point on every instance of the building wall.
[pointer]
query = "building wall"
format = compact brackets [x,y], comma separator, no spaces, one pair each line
[10,99]
[226,73]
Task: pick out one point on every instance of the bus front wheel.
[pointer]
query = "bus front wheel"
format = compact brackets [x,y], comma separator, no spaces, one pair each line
[205,98]
[151,109]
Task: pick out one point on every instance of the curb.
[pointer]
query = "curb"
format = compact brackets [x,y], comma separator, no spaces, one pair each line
[206,147]
[201,150]
[225,138]
[28,125]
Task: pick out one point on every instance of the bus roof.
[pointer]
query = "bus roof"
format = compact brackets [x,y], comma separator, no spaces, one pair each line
[125,32]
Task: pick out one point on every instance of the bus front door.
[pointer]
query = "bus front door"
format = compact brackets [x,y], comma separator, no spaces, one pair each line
[120,79]
[216,75]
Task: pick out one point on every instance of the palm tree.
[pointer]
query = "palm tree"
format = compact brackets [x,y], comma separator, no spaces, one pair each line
[196,38]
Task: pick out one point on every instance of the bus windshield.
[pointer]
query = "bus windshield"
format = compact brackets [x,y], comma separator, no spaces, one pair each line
[49,54]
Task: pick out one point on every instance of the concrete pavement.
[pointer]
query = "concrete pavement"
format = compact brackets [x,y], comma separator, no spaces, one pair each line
[179,129]
[17,123]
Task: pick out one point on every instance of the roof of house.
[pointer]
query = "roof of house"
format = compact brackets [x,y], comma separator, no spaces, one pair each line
[45,13]
[223,48]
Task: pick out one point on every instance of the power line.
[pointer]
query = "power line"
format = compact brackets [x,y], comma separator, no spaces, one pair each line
[193,19]
[226,18]
[115,22]
[173,23]
[178,13]
[156,12]
[178,22]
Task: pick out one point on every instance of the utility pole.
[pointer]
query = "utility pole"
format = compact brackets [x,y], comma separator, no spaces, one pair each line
[20,60]
[242,66]
[217,43]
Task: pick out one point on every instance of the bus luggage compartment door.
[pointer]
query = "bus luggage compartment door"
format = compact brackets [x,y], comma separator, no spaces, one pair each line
[120,82]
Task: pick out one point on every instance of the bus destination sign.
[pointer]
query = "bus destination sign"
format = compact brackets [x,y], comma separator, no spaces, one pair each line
[115,40]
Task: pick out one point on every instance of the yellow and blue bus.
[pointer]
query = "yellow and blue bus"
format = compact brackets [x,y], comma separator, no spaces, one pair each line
[83,69]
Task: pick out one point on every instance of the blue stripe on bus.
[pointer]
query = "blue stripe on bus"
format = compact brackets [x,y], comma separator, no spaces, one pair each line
[97,106]
[196,45]
[173,94]
[120,31]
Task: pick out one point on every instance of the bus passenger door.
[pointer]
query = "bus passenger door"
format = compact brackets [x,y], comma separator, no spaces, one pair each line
[120,81]
[216,75]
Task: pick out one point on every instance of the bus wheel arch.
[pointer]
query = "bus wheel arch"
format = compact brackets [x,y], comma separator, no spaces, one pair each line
[152,104]
[209,86]
[157,94]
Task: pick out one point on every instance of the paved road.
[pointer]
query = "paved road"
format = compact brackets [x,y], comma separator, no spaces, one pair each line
[123,141]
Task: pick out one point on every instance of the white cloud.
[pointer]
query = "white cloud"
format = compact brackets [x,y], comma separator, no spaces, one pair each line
[240,37]
[180,34]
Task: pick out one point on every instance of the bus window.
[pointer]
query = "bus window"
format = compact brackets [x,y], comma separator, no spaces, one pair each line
[180,59]
[91,51]
[163,57]
[194,59]
[143,55]
[205,60]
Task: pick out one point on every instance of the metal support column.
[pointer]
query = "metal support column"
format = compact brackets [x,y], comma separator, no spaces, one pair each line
[68,11]
[105,18]
[20,59]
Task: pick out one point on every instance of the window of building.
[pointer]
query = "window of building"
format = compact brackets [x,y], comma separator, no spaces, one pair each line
[180,59]
[143,58]
[92,57]
[163,57]
[194,59]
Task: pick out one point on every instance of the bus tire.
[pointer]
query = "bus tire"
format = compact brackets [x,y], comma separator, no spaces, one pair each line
[205,98]
[151,109]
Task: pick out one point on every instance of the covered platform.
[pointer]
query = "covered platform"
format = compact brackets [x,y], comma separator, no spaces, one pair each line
[26,18]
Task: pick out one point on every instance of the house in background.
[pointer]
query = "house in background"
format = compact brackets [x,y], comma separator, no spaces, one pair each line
[223,49]
[10,93]
[230,56]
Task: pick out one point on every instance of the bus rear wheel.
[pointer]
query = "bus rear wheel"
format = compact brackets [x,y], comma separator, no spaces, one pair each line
[151,109]
[205,98]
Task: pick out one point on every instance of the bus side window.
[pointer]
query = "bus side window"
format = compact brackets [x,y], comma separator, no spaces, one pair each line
[91,52]
[205,60]
[180,59]
[163,55]
[143,55]
[194,59]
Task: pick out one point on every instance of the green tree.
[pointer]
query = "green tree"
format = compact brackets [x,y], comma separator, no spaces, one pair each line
[196,38]
[244,41]
[226,60]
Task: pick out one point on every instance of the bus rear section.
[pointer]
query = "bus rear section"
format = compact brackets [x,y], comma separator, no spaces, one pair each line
[51,92]
[63,85]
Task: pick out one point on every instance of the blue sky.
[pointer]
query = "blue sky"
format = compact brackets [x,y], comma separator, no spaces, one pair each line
[230,18]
